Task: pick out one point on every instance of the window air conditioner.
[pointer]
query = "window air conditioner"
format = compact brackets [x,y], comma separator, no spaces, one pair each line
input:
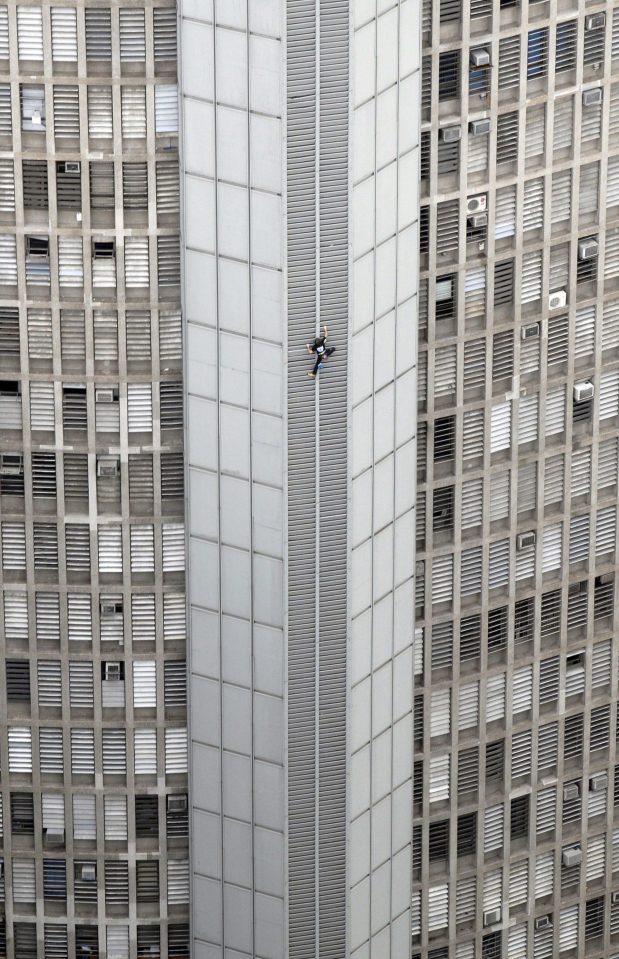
[530,332]
[614,898]
[571,791]
[72,166]
[477,204]
[11,464]
[55,837]
[480,57]
[525,540]
[110,609]
[583,392]
[10,388]
[587,249]
[104,396]
[492,916]
[478,221]
[37,247]
[478,128]
[557,299]
[598,783]
[450,134]
[107,466]
[177,804]
[596,21]
[88,872]
[571,856]
[543,922]
[592,97]
[112,671]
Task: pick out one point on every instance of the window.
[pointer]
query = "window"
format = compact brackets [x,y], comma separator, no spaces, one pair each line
[520,817]
[537,53]
[467,834]
[34,180]
[17,680]
[449,75]
[32,108]
[565,49]
[444,438]
[146,816]
[22,814]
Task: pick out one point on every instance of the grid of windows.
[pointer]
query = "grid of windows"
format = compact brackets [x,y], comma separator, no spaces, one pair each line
[93,789]
[518,458]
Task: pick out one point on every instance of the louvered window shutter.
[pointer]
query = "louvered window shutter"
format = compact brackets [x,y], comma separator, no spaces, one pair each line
[117,939]
[555,411]
[477,158]
[24,888]
[495,698]
[612,182]
[8,261]
[178,881]
[30,33]
[474,293]
[50,751]
[500,427]
[605,533]
[521,755]
[137,270]
[53,812]
[168,261]
[35,184]
[45,541]
[42,413]
[522,689]
[105,324]
[16,616]
[66,113]
[64,35]
[139,407]
[173,543]
[72,335]
[493,829]
[561,203]
[135,186]
[591,122]
[551,551]
[442,579]
[175,750]
[81,686]
[535,131]
[473,434]
[145,752]
[608,464]
[438,906]
[531,277]
[116,892]
[170,335]
[518,881]
[470,572]
[445,366]
[70,261]
[47,615]
[175,684]
[498,565]
[528,418]
[100,112]
[138,328]
[82,752]
[49,682]
[107,411]
[40,343]
[174,618]
[4,33]
[6,122]
[111,621]
[600,665]
[115,818]
[77,541]
[468,707]
[142,549]
[144,684]
[509,62]
[98,33]
[499,496]
[563,123]
[168,192]
[166,109]
[505,213]
[581,471]
[440,712]
[13,546]
[84,818]
[114,752]
[102,186]
[609,394]
[110,549]
[20,749]
[472,503]
[533,212]
[79,618]
[611,260]
[133,112]
[7,186]
[132,37]
[589,187]
[164,29]
[32,108]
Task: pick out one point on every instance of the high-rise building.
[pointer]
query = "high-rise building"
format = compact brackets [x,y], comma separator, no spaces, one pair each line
[397,655]
[514,851]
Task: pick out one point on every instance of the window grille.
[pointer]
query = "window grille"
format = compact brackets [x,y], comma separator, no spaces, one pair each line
[34,184]
[25,939]
[507,138]
[178,940]
[87,939]
[22,814]
[593,53]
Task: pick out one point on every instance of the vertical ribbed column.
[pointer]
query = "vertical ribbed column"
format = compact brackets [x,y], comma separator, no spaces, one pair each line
[333,448]
[302,479]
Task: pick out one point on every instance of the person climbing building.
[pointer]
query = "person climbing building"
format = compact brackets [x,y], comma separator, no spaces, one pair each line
[321,352]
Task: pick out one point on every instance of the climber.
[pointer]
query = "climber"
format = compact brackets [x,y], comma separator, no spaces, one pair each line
[322,352]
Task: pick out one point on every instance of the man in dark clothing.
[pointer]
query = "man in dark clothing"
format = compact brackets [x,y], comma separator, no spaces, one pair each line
[321,351]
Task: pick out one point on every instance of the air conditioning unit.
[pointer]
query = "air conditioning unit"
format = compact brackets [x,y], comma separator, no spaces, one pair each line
[596,21]
[11,464]
[55,837]
[543,922]
[477,204]
[571,856]
[588,249]
[72,166]
[104,396]
[110,609]
[557,299]
[88,872]
[113,671]
[583,392]
[478,128]
[449,134]
[478,221]
[614,898]
[598,783]
[480,57]
[526,540]
[530,332]
[492,916]
[177,804]
[591,98]
[571,791]
[108,466]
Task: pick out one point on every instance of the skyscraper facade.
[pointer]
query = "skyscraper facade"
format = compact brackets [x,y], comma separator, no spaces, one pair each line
[514,850]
